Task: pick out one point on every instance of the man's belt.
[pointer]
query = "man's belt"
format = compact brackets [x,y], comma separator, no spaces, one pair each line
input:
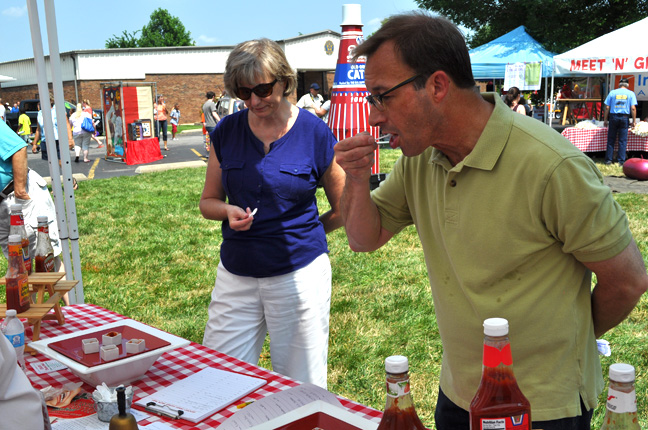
[627,115]
[7,190]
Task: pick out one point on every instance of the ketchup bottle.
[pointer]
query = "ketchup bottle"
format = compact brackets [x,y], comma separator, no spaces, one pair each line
[499,402]
[399,409]
[621,407]
[44,255]
[17,283]
[17,226]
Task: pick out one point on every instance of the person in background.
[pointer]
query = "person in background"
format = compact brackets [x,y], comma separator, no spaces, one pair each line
[24,127]
[2,111]
[88,109]
[513,220]
[528,108]
[81,137]
[209,110]
[175,118]
[21,405]
[39,136]
[15,108]
[619,105]
[204,131]
[566,92]
[326,107]
[161,118]
[512,100]
[312,101]
[274,273]
[24,186]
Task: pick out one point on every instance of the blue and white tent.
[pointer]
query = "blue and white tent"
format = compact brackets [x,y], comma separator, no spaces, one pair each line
[489,60]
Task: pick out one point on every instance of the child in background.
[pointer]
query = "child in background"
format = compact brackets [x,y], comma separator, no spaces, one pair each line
[205,135]
[24,127]
[175,118]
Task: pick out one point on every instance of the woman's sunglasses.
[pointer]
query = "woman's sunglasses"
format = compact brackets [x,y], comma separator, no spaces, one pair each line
[261,90]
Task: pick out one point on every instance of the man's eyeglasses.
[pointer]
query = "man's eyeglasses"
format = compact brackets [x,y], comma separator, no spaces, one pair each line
[377,100]
[261,90]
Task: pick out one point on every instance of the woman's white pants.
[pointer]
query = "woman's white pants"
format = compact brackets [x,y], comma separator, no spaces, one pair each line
[294,310]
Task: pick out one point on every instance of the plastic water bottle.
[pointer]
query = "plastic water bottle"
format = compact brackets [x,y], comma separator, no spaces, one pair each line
[499,402]
[14,330]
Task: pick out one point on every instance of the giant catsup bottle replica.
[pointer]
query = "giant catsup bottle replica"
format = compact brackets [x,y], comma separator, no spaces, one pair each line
[17,283]
[17,226]
[621,406]
[499,402]
[44,258]
[349,111]
[399,409]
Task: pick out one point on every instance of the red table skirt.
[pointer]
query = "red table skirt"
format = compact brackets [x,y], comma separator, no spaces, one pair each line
[143,151]
[595,140]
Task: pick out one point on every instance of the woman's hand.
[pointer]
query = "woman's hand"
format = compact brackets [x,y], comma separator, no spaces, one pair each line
[239,219]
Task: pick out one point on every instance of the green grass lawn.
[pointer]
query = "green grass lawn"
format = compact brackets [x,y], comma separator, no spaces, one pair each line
[147,253]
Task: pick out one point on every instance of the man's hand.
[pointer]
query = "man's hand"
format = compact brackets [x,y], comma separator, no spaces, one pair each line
[356,156]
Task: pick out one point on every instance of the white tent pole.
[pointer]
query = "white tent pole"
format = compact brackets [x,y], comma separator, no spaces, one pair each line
[39,62]
[545,99]
[553,107]
[59,97]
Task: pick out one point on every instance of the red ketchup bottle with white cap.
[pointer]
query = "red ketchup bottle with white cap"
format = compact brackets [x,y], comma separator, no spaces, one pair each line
[499,402]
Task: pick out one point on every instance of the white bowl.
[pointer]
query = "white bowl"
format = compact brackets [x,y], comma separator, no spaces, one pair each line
[118,372]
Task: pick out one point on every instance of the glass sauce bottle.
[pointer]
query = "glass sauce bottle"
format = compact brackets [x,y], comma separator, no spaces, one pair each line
[621,406]
[17,226]
[399,411]
[44,255]
[17,283]
[499,402]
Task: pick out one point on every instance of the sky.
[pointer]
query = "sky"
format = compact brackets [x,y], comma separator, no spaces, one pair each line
[88,24]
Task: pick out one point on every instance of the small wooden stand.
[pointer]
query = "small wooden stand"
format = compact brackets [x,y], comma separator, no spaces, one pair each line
[41,284]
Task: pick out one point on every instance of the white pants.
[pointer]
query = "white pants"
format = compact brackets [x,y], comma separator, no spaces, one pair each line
[293,308]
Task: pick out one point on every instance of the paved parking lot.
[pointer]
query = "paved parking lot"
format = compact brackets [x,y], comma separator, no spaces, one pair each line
[188,150]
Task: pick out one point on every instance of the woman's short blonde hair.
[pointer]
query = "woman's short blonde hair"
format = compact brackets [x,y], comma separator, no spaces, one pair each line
[253,59]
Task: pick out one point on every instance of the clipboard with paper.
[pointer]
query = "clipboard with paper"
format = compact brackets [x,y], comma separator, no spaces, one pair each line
[200,395]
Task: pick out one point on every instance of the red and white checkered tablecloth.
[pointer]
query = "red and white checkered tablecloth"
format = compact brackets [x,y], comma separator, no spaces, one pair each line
[169,368]
[595,139]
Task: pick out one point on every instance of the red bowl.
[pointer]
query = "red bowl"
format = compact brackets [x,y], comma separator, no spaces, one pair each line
[636,168]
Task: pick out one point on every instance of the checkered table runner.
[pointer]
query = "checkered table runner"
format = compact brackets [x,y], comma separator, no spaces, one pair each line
[595,139]
[169,368]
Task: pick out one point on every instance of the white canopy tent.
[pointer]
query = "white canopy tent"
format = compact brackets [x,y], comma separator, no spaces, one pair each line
[619,52]
[63,195]
[4,78]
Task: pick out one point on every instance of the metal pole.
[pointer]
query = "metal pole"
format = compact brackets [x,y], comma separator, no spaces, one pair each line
[70,205]
[39,62]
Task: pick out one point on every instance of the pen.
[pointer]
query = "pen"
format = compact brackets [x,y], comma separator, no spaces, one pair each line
[156,409]
[244,404]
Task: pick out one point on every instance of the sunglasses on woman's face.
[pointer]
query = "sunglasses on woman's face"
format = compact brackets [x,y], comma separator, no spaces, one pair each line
[261,90]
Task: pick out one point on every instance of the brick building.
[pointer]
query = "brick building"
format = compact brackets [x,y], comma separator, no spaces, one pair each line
[182,74]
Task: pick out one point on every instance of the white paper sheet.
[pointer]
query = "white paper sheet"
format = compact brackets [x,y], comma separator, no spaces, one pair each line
[277,404]
[202,394]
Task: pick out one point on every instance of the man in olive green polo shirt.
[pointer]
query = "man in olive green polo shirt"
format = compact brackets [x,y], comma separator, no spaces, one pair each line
[513,219]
